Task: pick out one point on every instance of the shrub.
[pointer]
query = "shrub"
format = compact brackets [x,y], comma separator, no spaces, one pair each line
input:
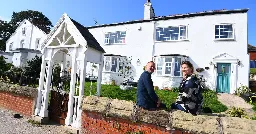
[237,112]
[242,90]
[211,102]
[4,66]
[253,71]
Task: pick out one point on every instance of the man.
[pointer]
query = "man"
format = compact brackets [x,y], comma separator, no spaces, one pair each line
[146,96]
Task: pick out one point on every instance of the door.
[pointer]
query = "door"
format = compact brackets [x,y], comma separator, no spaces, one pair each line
[223,79]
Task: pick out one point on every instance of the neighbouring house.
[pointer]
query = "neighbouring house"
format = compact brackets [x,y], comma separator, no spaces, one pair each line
[252,51]
[24,44]
[214,41]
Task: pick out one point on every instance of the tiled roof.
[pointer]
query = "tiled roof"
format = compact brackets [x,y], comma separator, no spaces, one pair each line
[177,16]
[91,41]
[251,48]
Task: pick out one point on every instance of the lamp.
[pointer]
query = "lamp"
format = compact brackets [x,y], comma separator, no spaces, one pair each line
[239,63]
[211,63]
[138,62]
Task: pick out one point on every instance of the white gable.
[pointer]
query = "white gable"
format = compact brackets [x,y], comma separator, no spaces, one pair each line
[224,57]
[25,36]
[64,34]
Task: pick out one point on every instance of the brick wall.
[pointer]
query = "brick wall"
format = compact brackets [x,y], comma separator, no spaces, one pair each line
[21,104]
[252,55]
[95,123]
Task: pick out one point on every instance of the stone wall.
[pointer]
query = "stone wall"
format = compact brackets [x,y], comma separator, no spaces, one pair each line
[104,115]
[17,98]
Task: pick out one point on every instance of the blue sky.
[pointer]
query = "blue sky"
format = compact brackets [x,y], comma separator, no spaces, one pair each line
[110,11]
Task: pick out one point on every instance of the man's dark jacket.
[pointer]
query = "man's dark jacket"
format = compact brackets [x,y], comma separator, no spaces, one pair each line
[146,96]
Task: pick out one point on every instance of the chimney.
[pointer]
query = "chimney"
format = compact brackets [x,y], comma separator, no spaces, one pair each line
[148,10]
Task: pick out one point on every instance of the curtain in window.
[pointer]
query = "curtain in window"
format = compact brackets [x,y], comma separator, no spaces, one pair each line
[177,67]
[159,67]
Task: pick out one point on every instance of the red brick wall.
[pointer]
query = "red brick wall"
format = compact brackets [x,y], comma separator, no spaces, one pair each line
[252,55]
[22,105]
[95,123]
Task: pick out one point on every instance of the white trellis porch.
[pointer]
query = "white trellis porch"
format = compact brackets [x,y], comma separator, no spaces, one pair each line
[68,37]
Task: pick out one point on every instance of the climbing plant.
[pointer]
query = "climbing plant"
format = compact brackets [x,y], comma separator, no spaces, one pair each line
[125,68]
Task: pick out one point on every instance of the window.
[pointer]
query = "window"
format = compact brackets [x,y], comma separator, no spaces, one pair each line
[22,43]
[115,37]
[112,64]
[10,47]
[224,31]
[23,31]
[169,66]
[171,33]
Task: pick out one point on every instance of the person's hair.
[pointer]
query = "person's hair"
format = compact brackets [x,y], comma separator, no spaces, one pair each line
[151,62]
[189,64]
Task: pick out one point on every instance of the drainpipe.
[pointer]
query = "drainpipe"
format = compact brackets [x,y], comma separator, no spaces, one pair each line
[154,38]
[31,36]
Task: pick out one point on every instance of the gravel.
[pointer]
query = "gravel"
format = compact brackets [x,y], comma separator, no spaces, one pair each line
[11,125]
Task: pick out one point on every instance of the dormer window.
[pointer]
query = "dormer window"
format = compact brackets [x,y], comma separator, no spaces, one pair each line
[23,31]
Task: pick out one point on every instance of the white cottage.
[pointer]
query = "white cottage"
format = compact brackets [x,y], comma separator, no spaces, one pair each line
[24,44]
[215,41]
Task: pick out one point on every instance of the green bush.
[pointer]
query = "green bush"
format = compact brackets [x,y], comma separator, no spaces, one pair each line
[211,102]
[237,112]
[253,71]
[168,97]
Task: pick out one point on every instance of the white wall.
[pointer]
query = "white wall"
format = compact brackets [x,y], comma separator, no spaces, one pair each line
[201,46]
[138,43]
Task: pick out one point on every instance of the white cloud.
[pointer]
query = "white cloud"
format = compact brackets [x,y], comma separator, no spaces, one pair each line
[4,18]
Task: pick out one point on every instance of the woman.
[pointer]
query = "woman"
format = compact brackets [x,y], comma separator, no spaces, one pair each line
[190,92]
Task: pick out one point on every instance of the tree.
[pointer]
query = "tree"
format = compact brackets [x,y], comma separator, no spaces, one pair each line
[36,17]
[33,68]
[6,31]
[4,66]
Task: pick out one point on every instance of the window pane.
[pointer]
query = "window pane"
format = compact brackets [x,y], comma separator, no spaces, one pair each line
[183,32]
[107,64]
[177,67]
[168,70]
[168,59]
[114,64]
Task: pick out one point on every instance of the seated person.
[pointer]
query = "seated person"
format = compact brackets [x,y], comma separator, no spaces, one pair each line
[146,96]
[190,92]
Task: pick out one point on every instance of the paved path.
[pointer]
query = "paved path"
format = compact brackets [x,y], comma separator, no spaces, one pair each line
[11,125]
[231,100]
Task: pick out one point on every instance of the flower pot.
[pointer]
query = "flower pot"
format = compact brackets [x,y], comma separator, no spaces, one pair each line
[246,96]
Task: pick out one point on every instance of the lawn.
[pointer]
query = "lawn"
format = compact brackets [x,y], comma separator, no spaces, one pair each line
[168,97]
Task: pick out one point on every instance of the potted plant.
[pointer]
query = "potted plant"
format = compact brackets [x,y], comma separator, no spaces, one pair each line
[244,92]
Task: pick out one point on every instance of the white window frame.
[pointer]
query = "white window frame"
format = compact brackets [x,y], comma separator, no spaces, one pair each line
[220,39]
[109,60]
[179,37]
[163,73]
[106,40]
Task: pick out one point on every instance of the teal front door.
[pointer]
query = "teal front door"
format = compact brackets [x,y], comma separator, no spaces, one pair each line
[223,79]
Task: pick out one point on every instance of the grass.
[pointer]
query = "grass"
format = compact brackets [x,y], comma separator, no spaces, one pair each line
[168,97]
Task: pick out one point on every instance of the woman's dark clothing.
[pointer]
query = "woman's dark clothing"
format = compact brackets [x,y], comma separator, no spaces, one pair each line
[190,95]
